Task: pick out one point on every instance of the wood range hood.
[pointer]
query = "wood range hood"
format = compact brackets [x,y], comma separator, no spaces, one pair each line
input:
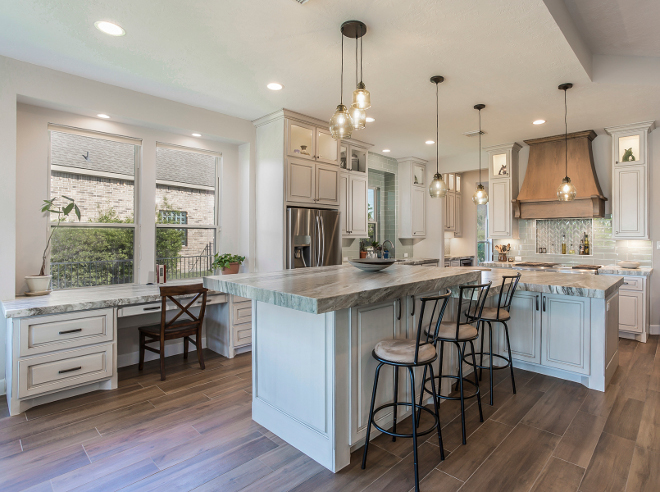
[546,169]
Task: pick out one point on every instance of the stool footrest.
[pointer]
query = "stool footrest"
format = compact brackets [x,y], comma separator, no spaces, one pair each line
[508,362]
[465,397]
[405,404]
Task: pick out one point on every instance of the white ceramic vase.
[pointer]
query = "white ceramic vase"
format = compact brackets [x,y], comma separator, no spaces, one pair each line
[38,283]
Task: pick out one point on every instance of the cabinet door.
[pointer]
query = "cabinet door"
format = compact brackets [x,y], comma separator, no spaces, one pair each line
[358,160]
[301,140]
[450,212]
[357,200]
[300,181]
[327,148]
[344,205]
[630,148]
[369,325]
[566,340]
[418,211]
[631,313]
[419,175]
[630,207]
[458,214]
[524,328]
[500,209]
[327,179]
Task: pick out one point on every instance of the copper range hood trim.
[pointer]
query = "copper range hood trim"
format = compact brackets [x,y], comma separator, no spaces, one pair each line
[546,167]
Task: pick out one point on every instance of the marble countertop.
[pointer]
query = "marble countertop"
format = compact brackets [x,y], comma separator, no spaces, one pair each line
[416,261]
[594,286]
[326,289]
[605,270]
[454,257]
[62,301]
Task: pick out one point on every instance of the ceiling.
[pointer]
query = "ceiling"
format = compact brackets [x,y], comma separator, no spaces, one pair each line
[220,55]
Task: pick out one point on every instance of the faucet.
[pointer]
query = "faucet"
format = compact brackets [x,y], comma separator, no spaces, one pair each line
[388,249]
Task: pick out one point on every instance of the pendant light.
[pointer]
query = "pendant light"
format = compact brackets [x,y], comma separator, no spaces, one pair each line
[480,196]
[361,96]
[438,187]
[358,115]
[341,125]
[566,191]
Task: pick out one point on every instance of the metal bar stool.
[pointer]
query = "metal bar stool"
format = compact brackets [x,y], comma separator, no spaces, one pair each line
[457,332]
[409,354]
[499,314]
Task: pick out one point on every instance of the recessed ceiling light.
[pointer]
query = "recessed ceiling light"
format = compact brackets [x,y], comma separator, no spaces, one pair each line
[539,122]
[386,150]
[430,142]
[274,86]
[109,28]
[196,134]
[102,115]
[370,119]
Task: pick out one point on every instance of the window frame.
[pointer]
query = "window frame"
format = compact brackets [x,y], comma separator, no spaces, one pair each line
[376,223]
[216,227]
[137,161]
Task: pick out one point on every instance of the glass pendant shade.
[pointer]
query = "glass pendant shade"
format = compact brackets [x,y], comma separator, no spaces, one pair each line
[480,196]
[566,191]
[438,188]
[361,97]
[359,117]
[341,125]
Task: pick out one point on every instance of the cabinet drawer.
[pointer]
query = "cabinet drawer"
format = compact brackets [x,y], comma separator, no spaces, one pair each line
[155,307]
[242,313]
[242,334]
[61,370]
[632,283]
[238,299]
[65,331]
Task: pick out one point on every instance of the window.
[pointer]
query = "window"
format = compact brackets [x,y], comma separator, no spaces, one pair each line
[484,245]
[186,210]
[97,171]
[373,213]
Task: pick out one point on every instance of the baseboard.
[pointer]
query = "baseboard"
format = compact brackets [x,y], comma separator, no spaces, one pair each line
[3,386]
[133,358]
[655,330]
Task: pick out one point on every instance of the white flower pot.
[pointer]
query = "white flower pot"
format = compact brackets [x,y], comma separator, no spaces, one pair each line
[38,283]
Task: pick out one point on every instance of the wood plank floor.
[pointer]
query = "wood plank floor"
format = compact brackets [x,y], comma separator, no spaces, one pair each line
[194,432]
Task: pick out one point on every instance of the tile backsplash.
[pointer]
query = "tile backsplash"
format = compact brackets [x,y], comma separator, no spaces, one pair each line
[605,250]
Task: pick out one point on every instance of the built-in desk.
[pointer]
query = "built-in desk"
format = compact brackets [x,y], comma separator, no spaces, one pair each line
[73,341]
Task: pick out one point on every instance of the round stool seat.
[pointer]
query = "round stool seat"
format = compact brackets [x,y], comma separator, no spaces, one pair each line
[403,351]
[490,314]
[447,331]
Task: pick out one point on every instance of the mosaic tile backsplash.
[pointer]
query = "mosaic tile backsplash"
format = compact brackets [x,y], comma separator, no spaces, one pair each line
[549,234]
[604,249]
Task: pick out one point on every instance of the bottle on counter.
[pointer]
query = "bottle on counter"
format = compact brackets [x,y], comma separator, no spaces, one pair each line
[581,247]
[586,244]
[571,251]
[563,244]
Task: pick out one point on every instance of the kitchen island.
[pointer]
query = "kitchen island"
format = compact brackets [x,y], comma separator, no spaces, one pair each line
[313,331]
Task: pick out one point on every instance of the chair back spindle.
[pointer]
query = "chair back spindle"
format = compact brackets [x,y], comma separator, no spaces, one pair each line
[474,295]
[439,304]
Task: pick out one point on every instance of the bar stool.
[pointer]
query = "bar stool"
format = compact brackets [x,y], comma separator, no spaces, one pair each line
[457,332]
[499,314]
[409,354]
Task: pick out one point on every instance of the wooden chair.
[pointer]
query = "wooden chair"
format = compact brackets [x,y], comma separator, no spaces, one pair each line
[173,329]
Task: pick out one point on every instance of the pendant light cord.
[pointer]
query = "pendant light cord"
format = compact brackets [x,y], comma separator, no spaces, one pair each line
[341,96]
[437,130]
[566,129]
[361,59]
[356,60]
[479,147]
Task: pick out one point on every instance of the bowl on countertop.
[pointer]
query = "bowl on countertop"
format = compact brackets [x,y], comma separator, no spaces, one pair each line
[629,264]
[371,264]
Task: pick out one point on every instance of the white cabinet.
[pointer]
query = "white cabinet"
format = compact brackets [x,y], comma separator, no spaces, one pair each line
[312,182]
[450,212]
[453,207]
[566,340]
[630,171]
[353,157]
[524,327]
[413,190]
[502,190]
[353,204]
[634,308]
[229,326]
[307,141]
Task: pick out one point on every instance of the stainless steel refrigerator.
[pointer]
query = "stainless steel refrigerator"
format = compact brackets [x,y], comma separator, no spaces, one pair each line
[313,238]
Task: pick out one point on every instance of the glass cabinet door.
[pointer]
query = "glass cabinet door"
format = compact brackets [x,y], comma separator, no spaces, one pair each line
[499,165]
[418,175]
[451,185]
[458,183]
[358,160]
[629,149]
[326,147]
[343,155]
[301,140]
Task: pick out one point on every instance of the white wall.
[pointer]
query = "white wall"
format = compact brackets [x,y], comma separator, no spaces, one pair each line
[83,98]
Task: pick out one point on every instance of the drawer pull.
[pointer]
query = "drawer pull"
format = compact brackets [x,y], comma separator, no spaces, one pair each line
[625,283]
[66,332]
[153,308]
[70,370]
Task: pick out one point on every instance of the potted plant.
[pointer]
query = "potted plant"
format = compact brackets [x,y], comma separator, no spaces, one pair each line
[363,249]
[38,284]
[228,263]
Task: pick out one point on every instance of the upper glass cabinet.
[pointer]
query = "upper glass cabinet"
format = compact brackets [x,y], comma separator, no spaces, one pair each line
[358,161]
[343,156]
[301,140]
[418,175]
[458,183]
[326,147]
[499,166]
[629,149]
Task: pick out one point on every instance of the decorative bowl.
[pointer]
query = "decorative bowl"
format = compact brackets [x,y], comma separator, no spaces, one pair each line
[371,264]
[629,264]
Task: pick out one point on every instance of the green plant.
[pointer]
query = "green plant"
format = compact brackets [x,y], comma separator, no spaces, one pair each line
[375,244]
[223,261]
[363,245]
[62,213]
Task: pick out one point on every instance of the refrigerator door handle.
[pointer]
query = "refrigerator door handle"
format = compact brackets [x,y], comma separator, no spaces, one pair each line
[318,245]
[322,243]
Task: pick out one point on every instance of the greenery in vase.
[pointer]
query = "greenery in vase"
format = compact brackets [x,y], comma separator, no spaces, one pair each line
[223,261]
[375,244]
[62,213]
